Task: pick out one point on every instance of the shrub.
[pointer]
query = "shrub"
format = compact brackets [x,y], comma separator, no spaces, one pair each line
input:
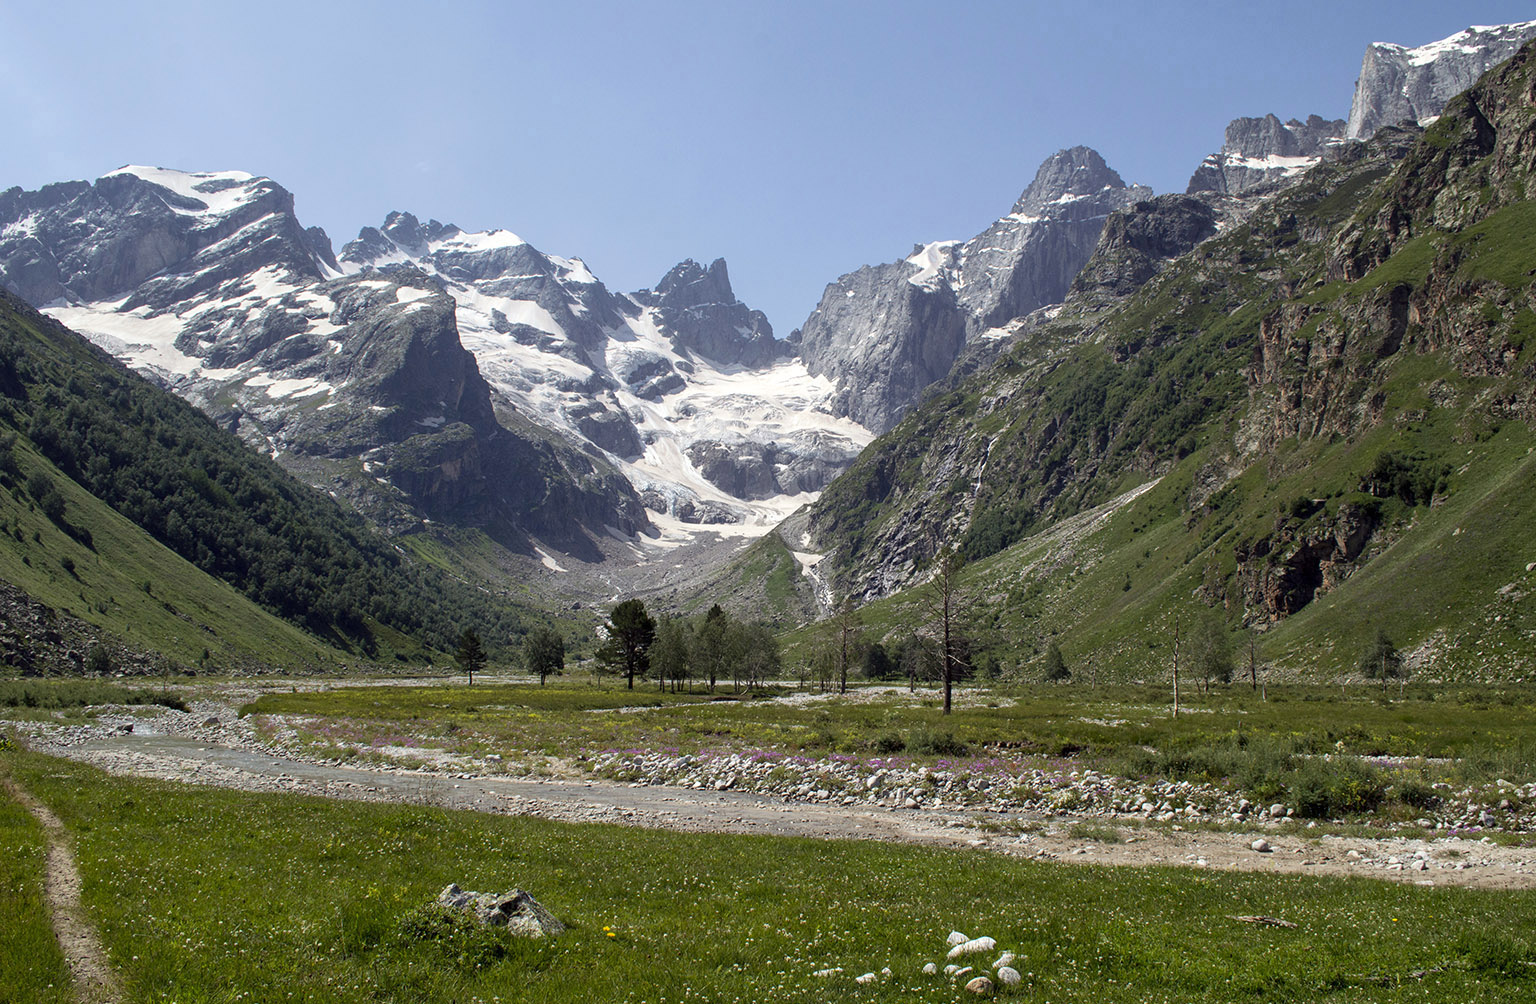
[1342,785]
[1415,793]
[453,933]
[926,741]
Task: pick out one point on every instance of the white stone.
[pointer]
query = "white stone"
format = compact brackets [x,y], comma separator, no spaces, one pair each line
[825,973]
[866,978]
[1006,959]
[1261,845]
[972,947]
[1009,976]
[980,986]
[930,969]
[956,938]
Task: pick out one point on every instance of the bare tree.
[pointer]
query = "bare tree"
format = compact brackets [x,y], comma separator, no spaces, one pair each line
[847,624]
[1175,664]
[946,606]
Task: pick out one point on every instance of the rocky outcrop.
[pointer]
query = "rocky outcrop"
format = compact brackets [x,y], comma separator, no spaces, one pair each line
[763,470]
[1259,152]
[1399,84]
[1302,559]
[887,333]
[882,340]
[699,313]
[1137,242]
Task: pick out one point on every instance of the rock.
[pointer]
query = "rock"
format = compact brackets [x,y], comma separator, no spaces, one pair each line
[885,333]
[1009,976]
[1006,959]
[1261,845]
[866,978]
[981,986]
[956,938]
[1260,151]
[517,911]
[1398,83]
[1277,810]
[972,947]
[823,974]
[930,969]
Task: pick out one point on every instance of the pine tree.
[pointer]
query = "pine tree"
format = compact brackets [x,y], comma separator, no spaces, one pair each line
[1381,660]
[631,631]
[1056,669]
[470,654]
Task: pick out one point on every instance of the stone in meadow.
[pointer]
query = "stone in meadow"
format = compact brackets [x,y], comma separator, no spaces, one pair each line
[972,947]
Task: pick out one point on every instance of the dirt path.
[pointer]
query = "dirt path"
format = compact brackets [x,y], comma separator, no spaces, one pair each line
[95,982]
[1451,861]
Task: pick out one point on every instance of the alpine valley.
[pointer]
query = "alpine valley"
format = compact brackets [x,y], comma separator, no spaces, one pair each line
[1296,397]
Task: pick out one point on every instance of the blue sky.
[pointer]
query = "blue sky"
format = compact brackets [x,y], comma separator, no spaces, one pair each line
[797,140]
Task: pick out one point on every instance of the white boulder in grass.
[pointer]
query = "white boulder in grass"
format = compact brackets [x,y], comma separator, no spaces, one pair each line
[972,947]
[930,969]
[1006,959]
[866,978]
[827,973]
[1009,976]
[980,986]
[949,970]
[956,938]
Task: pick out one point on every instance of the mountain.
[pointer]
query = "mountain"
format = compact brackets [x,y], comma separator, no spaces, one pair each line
[1260,151]
[434,377]
[1398,84]
[130,520]
[885,333]
[1310,424]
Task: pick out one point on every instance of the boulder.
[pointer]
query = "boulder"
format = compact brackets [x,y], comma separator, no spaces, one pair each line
[517,911]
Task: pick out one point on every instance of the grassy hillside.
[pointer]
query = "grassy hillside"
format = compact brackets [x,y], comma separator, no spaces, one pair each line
[138,595]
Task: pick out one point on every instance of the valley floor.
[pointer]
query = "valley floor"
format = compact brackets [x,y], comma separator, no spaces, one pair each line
[211,744]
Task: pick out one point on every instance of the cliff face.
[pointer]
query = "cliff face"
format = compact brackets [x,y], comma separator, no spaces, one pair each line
[1398,83]
[885,334]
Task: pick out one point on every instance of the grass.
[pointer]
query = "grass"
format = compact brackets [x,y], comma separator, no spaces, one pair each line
[214,895]
[52,694]
[29,955]
[183,613]
[1266,748]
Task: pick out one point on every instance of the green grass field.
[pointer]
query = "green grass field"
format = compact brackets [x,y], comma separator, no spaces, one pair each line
[29,955]
[1099,723]
[1267,749]
[210,895]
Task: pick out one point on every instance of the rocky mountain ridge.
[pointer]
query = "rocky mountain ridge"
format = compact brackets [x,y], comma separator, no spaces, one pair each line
[885,333]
